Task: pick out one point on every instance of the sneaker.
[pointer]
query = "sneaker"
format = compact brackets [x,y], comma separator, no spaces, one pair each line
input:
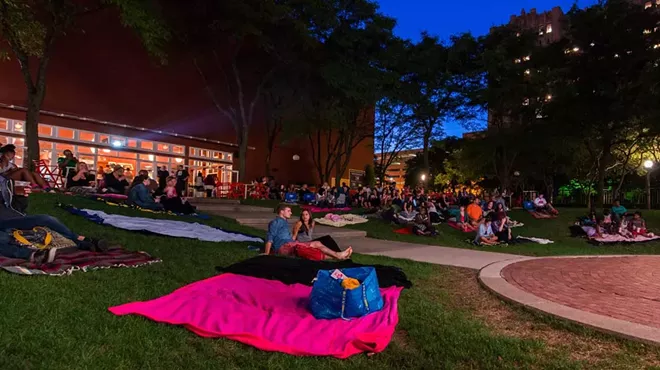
[96,245]
[44,256]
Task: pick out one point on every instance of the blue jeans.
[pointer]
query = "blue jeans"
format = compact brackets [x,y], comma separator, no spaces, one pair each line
[25,223]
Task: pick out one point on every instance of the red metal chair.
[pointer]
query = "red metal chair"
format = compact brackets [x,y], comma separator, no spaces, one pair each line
[54,178]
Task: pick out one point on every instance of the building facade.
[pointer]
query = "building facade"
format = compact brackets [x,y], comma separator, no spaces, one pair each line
[110,103]
[396,172]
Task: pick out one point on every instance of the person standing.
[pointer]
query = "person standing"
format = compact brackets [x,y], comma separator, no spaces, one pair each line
[181,181]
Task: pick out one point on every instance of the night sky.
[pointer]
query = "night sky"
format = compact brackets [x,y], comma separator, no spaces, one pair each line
[446,17]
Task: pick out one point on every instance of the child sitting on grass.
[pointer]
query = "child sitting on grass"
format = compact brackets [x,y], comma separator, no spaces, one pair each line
[637,226]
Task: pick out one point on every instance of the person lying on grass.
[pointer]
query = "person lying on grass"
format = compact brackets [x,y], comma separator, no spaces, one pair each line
[280,241]
[485,235]
[542,205]
[12,219]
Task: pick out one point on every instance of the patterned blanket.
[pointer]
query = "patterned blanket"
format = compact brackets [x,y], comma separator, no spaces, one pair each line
[340,220]
[72,259]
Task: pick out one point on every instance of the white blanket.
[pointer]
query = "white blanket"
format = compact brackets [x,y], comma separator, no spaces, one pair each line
[177,229]
[537,240]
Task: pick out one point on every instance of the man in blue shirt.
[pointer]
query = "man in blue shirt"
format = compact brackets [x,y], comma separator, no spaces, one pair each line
[280,241]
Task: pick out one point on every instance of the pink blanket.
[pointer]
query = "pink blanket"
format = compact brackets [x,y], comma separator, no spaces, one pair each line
[314,209]
[269,315]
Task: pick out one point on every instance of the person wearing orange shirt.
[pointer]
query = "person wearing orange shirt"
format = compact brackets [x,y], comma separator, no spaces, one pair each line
[475,212]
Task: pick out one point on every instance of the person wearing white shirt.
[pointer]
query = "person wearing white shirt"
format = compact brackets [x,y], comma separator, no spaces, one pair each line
[542,205]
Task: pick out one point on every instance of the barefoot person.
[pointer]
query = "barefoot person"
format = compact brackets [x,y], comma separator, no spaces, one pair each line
[281,242]
[9,170]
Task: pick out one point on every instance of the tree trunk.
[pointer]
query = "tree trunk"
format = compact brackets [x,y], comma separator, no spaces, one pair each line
[268,163]
[242,154]
[602,166]
[425,153]
[32,130]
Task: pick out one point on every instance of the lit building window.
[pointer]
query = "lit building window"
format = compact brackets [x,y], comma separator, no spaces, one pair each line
[548,28]
[656,46]
[178,149]
[131,143]
[87,136]
[548,97]
[646,32]
[517,61]
[18,127]
[4,125]
[65,133]
[147,145]
[163,147]
[45,130]
[527,58]
[528,72]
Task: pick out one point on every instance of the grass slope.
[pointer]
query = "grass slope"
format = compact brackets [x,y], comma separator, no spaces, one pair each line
[63,322]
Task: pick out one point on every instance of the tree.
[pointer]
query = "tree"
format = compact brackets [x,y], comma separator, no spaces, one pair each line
[32,27]
[237,48]
[351,68]
[606,79]
[393,133]
[439,78]
[441,152]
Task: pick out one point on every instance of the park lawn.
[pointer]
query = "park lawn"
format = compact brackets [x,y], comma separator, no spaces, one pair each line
[553,229]
[446,321]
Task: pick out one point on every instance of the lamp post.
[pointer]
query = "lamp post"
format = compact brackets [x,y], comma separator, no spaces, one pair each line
[648,164]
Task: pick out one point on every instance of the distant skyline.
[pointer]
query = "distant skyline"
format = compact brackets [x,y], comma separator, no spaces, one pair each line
[445,18]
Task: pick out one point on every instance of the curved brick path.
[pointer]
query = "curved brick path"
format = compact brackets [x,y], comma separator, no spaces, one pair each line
[625,288]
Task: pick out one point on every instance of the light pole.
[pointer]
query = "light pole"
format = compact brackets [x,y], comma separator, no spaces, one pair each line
[648,164]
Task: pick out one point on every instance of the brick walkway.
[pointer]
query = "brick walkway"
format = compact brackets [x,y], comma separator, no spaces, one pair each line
[625,288]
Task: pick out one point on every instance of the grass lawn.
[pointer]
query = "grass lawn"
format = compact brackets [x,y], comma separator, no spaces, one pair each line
[447,321]
[553,229]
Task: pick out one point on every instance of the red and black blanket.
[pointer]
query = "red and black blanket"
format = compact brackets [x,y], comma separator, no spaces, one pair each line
[69,260]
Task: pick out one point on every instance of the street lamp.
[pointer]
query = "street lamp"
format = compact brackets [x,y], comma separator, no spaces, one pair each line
[648,164]
[423,177]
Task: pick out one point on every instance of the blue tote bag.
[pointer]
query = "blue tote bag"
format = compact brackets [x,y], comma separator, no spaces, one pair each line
[329,300]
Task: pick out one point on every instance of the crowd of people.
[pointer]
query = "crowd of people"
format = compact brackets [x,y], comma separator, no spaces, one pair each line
[616,221]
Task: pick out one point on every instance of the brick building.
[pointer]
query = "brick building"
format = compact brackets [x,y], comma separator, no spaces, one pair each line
[110,103]
[396,172]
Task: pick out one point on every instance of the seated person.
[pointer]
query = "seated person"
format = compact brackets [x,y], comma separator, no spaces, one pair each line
[475,212]
[499,207]
[422,223]
[140,195]
[542,205]
[330,197]
[80,179]
[302,191]
[280,241]
[115,181]
[485,234]
[408,209]
[374,200]
[489,207]
[500,227]
[12,219]
[9,170]
[171,200]
[637,226]
[618,211]
[137,179]
[321,197]
[67,163]
[303,231]
[433,212]
[463,220]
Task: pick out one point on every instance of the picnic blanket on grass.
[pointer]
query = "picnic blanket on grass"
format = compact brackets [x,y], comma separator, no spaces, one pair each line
[178,229]
[404,231]
[332,219]
[541,215]
[455,225]
[69,260]
[268,315]
[590,233]
[315,209]
[122,203]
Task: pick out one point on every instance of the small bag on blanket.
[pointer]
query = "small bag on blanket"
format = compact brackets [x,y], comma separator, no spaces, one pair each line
[351,292]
